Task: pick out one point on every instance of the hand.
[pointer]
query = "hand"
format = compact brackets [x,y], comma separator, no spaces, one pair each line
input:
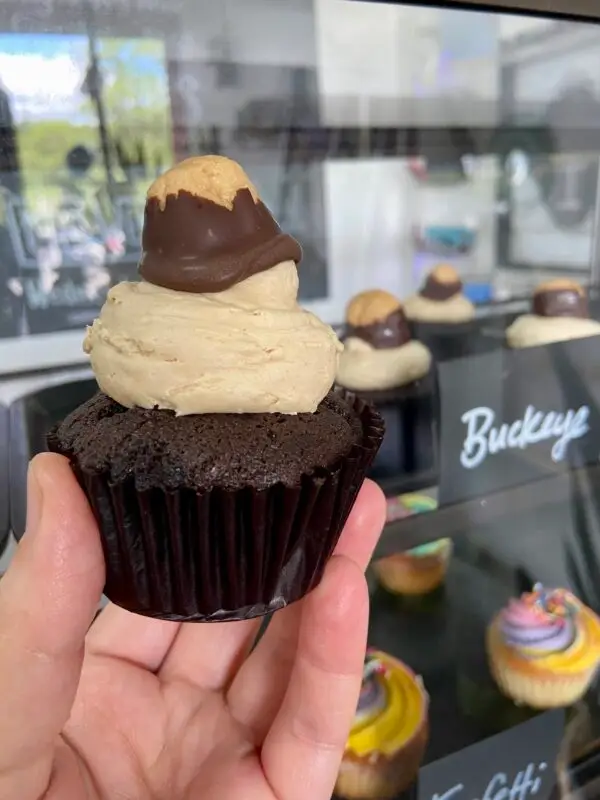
[142,709]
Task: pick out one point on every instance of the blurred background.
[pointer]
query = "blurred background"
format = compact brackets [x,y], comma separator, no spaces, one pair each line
[385,137]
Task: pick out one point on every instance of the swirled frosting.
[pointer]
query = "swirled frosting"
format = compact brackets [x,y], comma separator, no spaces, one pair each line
[541,622]
[214,326]
[392,708]
[248,349]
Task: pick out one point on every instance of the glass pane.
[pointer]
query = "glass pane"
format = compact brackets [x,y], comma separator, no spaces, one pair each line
[391,140]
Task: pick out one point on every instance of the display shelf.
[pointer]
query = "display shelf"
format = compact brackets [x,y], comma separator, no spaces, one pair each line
[30,419]
[442,638]
[583,778]
[407,459]
[4,479]
[452,521]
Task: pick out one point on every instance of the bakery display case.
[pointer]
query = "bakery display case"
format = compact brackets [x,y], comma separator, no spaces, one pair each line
[5,525]
[439,164]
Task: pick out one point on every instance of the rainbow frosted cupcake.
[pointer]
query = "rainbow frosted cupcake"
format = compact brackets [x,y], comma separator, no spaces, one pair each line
[389,734]
[418,571]
[544,648]
[405,505]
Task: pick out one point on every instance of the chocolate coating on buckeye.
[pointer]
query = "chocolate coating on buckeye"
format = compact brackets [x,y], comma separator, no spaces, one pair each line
[564,302]
[392,331]
[439,290]
[442,283]
[192,244]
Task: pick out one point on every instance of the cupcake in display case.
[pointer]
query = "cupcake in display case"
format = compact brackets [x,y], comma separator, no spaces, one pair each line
[386,366]
[405,505]
[416,572]
[442,316]
[544,648]
[422,569]
[440,300]
[218,461]
[379,352]
[389,734]
[559,312]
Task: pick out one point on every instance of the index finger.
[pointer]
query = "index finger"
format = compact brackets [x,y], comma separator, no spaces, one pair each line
[48,598]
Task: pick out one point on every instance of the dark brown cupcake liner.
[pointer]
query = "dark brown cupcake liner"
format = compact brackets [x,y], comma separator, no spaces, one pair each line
[224,555]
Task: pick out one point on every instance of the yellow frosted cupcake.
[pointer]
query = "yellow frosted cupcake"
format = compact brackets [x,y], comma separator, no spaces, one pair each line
[544,648]
[389,733]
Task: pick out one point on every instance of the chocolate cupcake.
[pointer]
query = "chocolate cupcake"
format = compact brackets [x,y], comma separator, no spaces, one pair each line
[559,312]
[219,464]
[379,352]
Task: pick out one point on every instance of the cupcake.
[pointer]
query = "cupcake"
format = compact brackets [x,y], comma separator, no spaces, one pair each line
[379,353]
[416,572]
[389,734]
[219,464]
[422,569]
[544,649]
[441,300]
[559,312]
[405,505]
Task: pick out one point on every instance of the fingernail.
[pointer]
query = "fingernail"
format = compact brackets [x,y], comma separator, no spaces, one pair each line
[35,499]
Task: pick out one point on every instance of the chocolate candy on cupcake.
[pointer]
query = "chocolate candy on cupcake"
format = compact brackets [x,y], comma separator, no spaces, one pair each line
[441,284]
[379,352]
[377,318]
[559,312]
[389,733]
[218,461]
[560,298]
[441,299]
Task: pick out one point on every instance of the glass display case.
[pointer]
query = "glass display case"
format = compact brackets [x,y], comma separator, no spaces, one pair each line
[391,140]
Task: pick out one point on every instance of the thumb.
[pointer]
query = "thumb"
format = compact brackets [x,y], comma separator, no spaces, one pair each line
[48,599]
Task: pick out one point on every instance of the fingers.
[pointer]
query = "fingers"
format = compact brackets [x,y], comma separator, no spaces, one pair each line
[302,750]
[144,642]
[208,655]
[48,599]
[258,689]
[365,523]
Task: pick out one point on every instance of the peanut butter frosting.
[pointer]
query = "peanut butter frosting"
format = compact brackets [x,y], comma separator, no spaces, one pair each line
[214,326]
[248,349]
